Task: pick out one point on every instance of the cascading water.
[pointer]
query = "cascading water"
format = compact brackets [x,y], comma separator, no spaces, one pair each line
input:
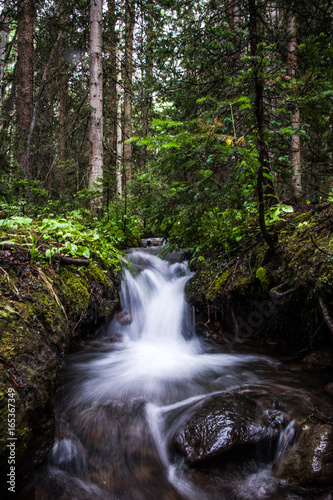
[128,392]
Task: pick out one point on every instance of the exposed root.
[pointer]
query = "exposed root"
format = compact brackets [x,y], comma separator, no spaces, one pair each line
[326,315]
[10,284]
[77,324]
[320,249]
[274,292]
[10,367]
[315,416]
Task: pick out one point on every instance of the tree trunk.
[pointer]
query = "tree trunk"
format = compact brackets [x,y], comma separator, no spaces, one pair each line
[147,77]
[96,96]
[3,43]
[35,108]
[24,80]
[63,113]
[119,164]
[259,114]
[295,119]
[113,81]
[63,104]
[130,14]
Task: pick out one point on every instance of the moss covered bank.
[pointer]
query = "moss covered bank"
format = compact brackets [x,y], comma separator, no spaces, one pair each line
[272,298]
[42,310]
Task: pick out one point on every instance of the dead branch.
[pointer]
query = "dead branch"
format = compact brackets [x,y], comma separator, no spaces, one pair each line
[326,315]
[320,249]
[69,261]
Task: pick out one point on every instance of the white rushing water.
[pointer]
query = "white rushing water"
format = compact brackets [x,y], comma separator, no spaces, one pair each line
[127,392]
[159,356]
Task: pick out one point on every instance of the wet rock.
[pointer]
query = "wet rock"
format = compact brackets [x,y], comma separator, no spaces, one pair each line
[124,317]
[116,337]
[320,358]
[309,463]
[328,495]
[148,242]
[226,422]
[329,388]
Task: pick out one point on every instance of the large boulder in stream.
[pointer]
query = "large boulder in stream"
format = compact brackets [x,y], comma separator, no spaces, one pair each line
[226,422]
[309,463]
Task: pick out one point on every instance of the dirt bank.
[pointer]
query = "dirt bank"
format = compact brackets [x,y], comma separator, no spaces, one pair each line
[282,297]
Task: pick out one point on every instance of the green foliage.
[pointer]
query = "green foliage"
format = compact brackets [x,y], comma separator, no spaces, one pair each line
[79,235]
[262,276]
[276,213]
[180,195]
[194,177]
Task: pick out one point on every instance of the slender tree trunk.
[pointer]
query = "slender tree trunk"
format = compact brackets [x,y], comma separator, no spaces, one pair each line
[3,43]
[96,96]
[119,164]
[259,114]
[35,108]
[63,104]
[24,80]
[63,113]
[295,119]
[113,82]
[147,77]
[130,14]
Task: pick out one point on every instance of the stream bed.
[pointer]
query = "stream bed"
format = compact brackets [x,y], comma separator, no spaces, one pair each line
[151,411]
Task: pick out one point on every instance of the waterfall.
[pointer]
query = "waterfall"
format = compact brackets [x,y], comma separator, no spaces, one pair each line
[159,356]
[128,391]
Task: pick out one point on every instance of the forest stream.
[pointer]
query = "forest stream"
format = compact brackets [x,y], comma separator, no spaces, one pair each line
[151,411]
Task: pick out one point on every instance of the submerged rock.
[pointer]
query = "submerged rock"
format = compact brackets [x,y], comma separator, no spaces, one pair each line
[329,388]
[309,463]
[224,422]
[124,317]
[320,358]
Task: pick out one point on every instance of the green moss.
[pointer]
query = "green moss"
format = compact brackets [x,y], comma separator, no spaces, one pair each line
[303,256]
[218,284]
[94,273]
[39,307]
[305,217]
[74,291]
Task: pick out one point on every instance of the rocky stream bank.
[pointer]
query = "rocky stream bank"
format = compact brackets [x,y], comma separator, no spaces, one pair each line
[285,297]
[278,303]
[44,309]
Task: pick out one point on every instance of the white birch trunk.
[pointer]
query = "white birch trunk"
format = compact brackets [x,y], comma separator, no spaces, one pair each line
[130,18]
[295,121]
[119,163]
[96,95]
[3,43]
